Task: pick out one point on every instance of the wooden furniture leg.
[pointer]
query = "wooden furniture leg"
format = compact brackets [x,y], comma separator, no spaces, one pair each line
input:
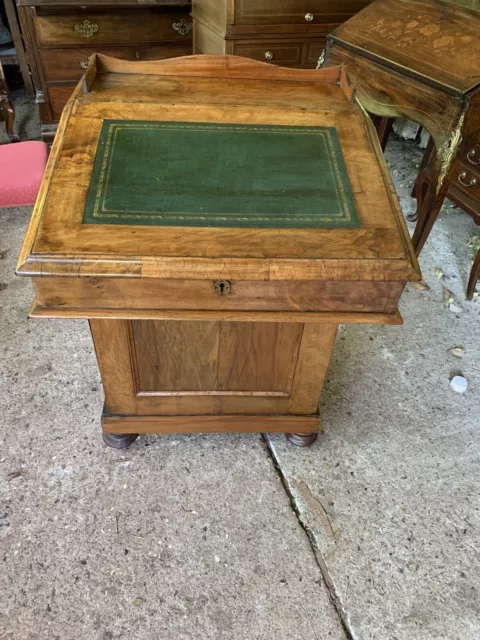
[384,126]
[474,277]
[7,115]
[302,439]
[119,440]
[429,210]
[7,111]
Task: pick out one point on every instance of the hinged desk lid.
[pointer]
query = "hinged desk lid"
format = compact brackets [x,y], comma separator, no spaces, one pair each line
[219,164]
[434,40]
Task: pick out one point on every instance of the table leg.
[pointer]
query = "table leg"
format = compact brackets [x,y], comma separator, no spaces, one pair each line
[474,276]
[428,211]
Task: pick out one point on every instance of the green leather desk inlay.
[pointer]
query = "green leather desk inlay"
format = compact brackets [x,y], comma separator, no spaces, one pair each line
[219,175]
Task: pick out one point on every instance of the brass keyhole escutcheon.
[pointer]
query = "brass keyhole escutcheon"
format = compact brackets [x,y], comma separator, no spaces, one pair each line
[222,287]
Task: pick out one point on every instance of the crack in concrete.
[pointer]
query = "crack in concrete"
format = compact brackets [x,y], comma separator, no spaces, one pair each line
[314,505]
[332,592]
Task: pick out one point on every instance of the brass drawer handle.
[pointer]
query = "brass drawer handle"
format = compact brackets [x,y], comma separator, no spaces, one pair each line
[86,29]
[461,177]
[182,27]
[472,156]
[268,55]
[309,17]
[321,60]
[84,64]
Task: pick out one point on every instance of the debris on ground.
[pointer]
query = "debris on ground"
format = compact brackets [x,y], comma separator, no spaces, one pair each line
[450,301]
[456,352]
[459,384]
[474,242]
[420,286]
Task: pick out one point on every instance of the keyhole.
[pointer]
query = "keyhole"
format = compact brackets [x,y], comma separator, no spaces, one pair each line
[222,287]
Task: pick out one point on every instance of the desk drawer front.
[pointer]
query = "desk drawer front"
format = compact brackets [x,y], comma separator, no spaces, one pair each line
[274,51]
[315,52]
[206,295]
[68,65]
[90,28]
[294,12]
[470,153]
[466,177]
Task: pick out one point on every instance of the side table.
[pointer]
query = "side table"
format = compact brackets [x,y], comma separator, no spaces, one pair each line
[417,59]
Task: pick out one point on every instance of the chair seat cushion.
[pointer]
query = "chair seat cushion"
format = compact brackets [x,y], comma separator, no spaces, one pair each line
[22,165]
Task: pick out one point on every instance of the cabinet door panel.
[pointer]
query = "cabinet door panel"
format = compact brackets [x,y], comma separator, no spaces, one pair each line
[215,358]
[159,368]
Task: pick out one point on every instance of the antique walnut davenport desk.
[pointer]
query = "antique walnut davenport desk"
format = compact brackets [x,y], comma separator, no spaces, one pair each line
[215,218]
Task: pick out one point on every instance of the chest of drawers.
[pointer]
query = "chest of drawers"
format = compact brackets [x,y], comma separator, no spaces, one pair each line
[285,32]
[61,38]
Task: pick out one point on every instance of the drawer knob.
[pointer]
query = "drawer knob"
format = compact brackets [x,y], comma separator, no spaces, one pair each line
[182,27]
[461,178]
[222,287]
[84,64]
[309,17]
[86,29]
[268,55]
[473,157]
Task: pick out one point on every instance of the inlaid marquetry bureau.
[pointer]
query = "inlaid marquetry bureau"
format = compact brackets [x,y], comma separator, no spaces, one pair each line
[215,218]
[61,36]
[286,32]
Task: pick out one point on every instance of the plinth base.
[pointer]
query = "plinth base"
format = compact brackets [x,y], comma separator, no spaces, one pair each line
[120,431]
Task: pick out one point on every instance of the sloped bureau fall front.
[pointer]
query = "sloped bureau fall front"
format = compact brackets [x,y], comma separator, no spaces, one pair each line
[215,219]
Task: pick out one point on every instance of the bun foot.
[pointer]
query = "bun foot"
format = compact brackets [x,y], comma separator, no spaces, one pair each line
[302,439]
[119,440]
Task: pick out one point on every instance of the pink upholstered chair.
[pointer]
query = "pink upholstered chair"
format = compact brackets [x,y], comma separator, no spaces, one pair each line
[21,164]
[21,171]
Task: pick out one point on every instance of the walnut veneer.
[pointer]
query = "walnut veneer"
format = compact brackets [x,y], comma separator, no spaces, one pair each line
[201,329]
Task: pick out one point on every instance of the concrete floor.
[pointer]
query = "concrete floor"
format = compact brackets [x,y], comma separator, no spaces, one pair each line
[371,534]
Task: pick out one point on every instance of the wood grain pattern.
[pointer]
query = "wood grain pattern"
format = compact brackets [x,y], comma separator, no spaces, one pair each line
[126,27]
[389,92]
[37,311]
[435,41]
[215,358]
[176,356]
[125,375]
[378,241]
[258,357]
[273,295]
[64,65]
[211,424]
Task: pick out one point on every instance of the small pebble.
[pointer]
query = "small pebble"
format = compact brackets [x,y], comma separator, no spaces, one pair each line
[457,352]
[420,286]
[455,308]
[458,384]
